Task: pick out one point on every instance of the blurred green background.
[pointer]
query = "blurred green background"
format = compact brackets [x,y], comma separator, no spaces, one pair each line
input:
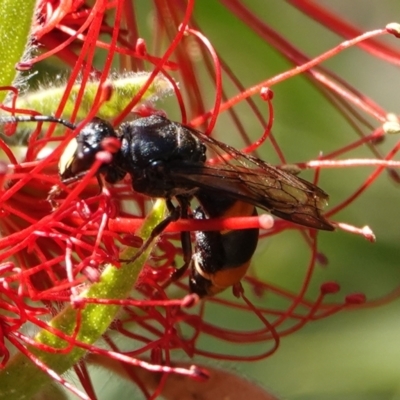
[352,355]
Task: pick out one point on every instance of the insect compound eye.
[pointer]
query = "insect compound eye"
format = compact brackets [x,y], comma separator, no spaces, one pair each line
[80,153]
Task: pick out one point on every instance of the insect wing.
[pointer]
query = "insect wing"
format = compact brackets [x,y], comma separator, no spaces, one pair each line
[256,182]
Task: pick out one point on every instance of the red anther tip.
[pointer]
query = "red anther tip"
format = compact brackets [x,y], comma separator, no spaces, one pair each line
[111,145]
[322,259]
[378,139]
[266,94]
[190,300]
[145,110]
[23,66]
[394,175]
[368,234]
[9,129]
[266,221]
[356,298]
[104,156]
[77,302]
[107,89]
[394,29]
[199,373]
[330,288]
[141,47]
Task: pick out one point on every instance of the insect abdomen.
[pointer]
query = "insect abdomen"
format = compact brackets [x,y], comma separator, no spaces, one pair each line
[222,259]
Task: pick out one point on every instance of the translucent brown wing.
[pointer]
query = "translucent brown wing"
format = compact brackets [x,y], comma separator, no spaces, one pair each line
[256,182]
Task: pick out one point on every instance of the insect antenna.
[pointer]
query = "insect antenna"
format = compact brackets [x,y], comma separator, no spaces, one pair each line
[37,118]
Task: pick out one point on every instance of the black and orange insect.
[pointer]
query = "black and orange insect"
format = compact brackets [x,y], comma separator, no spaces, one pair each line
[169,160]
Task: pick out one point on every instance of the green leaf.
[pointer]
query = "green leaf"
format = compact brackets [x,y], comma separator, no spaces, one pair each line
[15,25]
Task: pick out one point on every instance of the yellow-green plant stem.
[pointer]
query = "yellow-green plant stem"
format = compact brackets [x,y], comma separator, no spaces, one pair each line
[123,88]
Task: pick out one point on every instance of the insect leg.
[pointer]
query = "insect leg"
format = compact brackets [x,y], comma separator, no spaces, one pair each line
[187,252]
[174,214]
